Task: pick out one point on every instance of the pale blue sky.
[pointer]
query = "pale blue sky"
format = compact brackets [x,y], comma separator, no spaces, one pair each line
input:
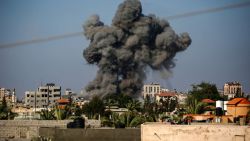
[219,51]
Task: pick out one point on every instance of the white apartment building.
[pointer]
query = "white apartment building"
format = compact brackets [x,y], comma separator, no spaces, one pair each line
[232,88]
[10,96]
[151,90]
[45,96]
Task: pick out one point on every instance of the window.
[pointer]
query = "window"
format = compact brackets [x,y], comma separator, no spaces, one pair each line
[57,90]
[28,95]
[150,89]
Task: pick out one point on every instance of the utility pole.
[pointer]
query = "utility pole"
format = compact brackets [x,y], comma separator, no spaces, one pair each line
[35,102]
[48,97]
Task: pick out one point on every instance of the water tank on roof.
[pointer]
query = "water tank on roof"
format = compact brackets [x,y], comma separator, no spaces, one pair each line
[220,104]
[225,105]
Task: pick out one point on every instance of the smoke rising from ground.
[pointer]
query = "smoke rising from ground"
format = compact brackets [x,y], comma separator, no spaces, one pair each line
[123,50]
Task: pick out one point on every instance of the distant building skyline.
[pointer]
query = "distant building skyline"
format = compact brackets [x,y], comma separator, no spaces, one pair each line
[219,51]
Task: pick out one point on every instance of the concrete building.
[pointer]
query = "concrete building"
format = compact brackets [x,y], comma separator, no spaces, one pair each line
[45,96]
[10,96]
[68,91]
[151,90]
[238,107]
[181,98]
[116,109]
[166,95]
[232,88]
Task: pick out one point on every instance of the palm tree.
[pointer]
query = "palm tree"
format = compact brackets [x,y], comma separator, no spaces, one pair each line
[47,115]
[128,119]
[195,107]
[133,105]
[94,108]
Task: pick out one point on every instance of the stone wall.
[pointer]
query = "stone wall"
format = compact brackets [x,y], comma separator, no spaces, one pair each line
[160,131]
[30,128]
[88,134]
[27,128]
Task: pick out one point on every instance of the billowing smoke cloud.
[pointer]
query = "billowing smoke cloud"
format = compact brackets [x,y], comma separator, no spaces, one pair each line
[123,50]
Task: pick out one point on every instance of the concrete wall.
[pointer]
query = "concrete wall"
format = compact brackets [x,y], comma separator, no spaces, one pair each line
[237,111]
[30,128]
[57,134]
[160,131]
[27,128]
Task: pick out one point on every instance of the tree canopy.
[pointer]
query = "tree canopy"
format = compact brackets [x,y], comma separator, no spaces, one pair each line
[205,90]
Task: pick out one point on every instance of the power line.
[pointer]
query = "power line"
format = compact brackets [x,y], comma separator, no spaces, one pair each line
[68,35]
[39,40]
[211,10]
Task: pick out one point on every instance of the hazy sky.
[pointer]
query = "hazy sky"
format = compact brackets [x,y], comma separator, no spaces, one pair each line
[219,51]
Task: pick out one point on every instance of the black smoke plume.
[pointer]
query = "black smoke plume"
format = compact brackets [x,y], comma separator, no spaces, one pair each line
[123,50]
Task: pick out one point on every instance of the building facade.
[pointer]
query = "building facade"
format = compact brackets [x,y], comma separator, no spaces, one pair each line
[166,96]
[9,95]
[232,88]
[238,107]
[45,96]
[151,90]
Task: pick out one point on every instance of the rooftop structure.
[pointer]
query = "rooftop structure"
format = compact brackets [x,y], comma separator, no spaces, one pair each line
[207,100]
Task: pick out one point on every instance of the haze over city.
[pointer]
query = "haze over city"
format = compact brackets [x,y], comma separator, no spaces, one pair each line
[218,53]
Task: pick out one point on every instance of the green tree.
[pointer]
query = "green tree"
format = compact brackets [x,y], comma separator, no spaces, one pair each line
[205,90]
[134,105]
[168,104]
[5,111]
[199,92]
[120,100]
[47,115]
[94,108]
[194,106]
[127,119]
[150,109]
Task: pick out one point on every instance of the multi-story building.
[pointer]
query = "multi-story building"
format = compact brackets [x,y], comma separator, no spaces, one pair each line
[45,96]
[151,90]
[9,95]
[68,91]
[232,88]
